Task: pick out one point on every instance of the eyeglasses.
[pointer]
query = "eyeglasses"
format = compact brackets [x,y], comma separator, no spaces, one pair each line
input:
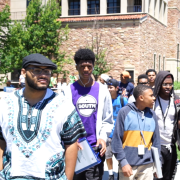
[167,84]
[39,71]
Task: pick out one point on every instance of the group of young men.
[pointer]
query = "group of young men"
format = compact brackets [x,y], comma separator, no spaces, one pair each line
[39,129]
[149,119]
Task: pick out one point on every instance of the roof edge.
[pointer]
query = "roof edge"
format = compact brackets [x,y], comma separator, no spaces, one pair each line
[103,18]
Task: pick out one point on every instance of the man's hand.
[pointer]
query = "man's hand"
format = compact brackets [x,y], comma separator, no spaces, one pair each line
[127,170]
[103,144]
[155,175]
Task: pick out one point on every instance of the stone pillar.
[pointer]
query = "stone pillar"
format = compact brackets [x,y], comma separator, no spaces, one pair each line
[151,7]
[83,7]
[123,6]
[161,17]
[165,14]
[103,7]
[157,9]
[143,6]
[64,8]
[146,6]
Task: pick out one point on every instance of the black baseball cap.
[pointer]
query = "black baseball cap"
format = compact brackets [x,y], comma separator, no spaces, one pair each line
[113,82]
[38,60]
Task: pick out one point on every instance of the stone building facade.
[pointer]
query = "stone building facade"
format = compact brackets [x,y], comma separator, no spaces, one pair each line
[173,37]
[135,41]
[138,34]
[3,3]
[131,41]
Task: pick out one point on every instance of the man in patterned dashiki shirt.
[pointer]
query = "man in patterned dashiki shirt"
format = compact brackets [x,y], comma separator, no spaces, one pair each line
[38,130]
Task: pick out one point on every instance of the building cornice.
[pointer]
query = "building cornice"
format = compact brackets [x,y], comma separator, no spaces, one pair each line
[104,18]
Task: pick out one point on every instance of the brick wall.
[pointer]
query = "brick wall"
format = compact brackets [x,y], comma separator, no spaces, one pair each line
[128,43]
[3,3]
[174,3]
[173,32]
[153,41]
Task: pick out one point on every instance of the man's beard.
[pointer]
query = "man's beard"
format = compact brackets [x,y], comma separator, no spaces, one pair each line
[32,84]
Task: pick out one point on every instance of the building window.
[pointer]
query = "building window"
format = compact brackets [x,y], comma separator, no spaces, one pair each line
[113,6]
[154,61]
[160,9]
[155,5]
[93,7]
[74,7]
[136,8]
[164,13]
[149,9]
[131,72]
[159,62]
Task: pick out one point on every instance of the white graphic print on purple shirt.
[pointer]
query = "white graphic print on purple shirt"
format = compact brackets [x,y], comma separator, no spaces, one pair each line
[85,99]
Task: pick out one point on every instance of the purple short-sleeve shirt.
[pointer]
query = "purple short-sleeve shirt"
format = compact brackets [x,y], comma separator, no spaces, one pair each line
[85,99]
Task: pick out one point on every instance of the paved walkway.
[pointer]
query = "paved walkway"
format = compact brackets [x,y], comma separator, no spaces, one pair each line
[115,168]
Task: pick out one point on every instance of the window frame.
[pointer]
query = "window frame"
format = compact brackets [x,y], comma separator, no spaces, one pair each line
[78,9]
[116,4]
[96,8]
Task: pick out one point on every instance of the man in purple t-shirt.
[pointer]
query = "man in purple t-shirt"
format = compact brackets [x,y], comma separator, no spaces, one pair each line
[93,104]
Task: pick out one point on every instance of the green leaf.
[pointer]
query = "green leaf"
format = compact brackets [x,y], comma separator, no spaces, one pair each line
[40,32]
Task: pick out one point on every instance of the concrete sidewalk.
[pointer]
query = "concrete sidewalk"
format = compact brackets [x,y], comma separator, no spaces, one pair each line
[115,168]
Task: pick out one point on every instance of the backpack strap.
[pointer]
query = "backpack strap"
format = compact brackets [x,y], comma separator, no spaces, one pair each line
[122,100]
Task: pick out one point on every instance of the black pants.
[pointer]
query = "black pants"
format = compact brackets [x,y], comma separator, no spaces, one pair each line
[169,162]
[93,173]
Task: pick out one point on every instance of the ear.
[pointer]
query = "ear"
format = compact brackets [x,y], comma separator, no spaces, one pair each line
[141,97]
[117,88]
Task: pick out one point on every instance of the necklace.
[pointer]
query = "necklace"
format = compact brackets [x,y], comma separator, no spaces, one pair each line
[83,83]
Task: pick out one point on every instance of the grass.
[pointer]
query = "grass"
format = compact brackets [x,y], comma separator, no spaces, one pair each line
[176,85]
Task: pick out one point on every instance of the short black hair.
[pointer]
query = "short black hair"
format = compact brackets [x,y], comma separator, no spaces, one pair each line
[139,89]
[84,54]
[150,70]
[143,76]
[111,77]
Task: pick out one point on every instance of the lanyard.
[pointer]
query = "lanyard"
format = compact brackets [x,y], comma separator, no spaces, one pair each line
[140,129]
[164,116]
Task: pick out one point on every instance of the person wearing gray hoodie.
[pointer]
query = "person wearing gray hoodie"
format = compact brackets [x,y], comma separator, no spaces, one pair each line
[167,107]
